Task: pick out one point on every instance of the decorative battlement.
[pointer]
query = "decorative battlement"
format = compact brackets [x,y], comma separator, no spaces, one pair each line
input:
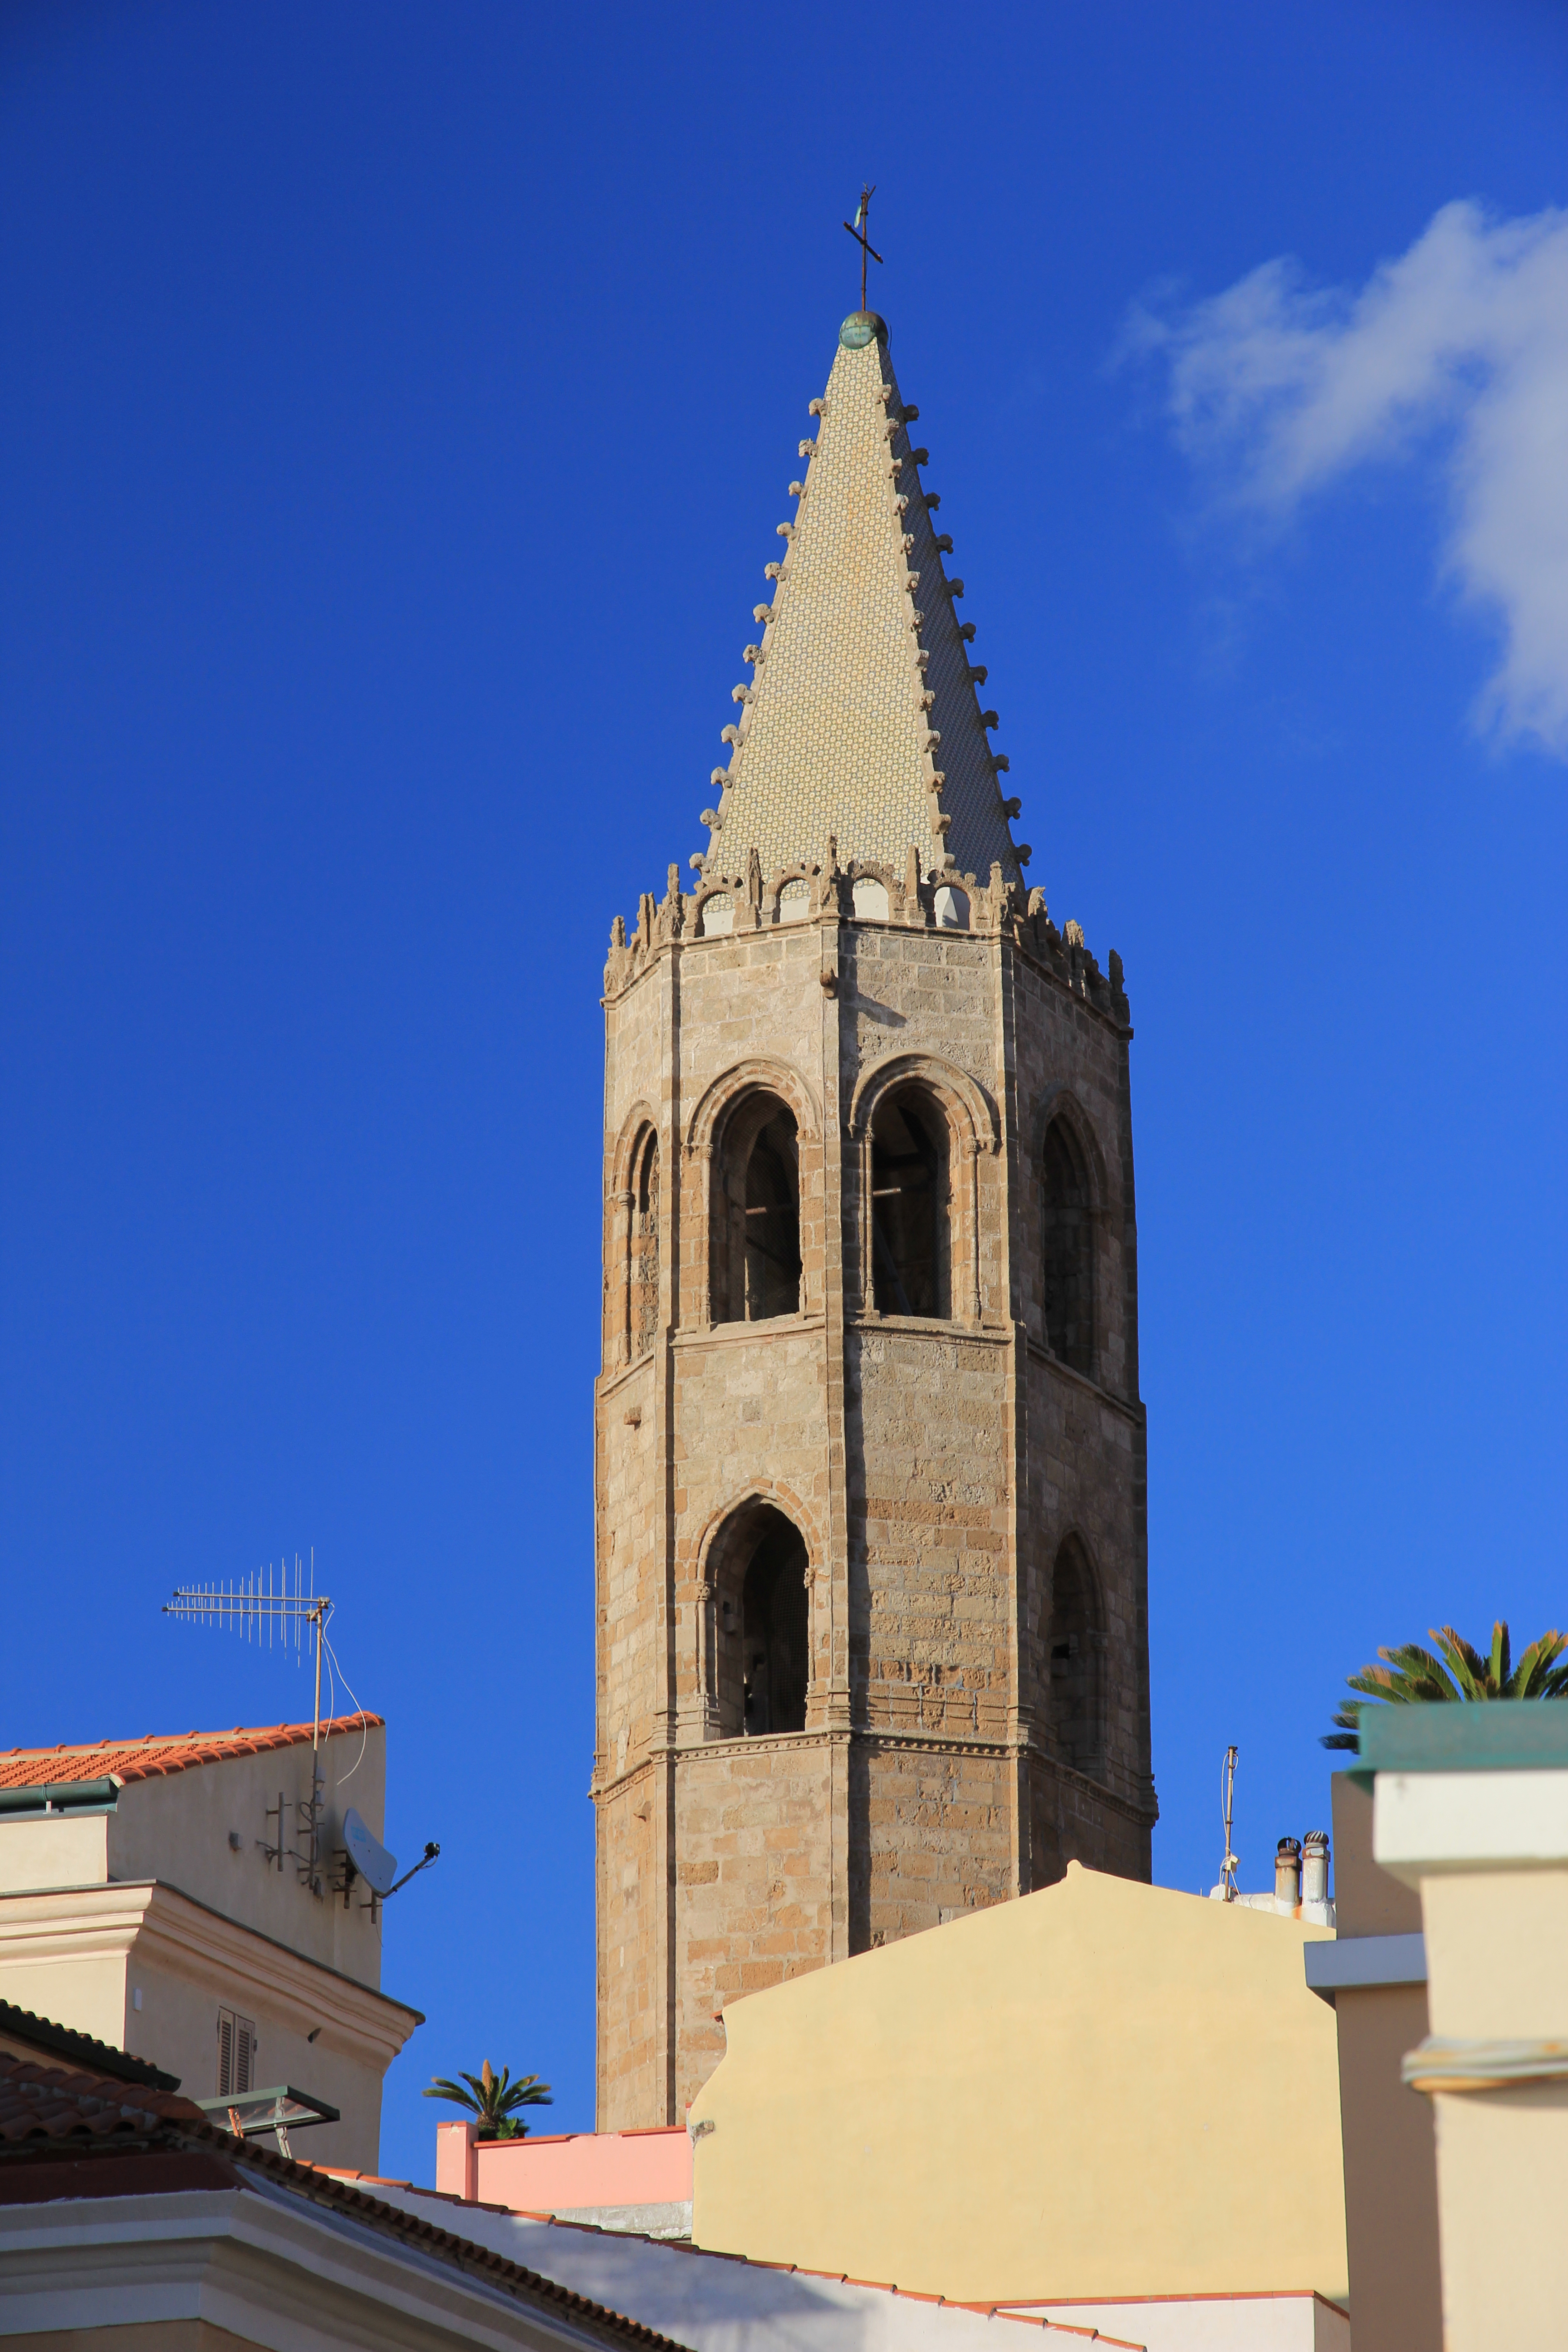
[953,905]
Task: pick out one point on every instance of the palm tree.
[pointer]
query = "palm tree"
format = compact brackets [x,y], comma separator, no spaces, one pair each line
[1411,1676]
[495,2099]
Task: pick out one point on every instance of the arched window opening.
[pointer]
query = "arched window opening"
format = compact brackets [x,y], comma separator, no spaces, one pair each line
[1068,1236]
[1074,1649]
[756,1224]
[644,1266]
[775,1666]
[910,1241]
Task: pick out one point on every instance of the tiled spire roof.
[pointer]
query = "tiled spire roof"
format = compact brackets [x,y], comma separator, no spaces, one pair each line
[861,720]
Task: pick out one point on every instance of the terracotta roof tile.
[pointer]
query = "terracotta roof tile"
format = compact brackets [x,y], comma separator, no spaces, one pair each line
[45,2102]
[48,2042]
[156,1754]
[40,2106]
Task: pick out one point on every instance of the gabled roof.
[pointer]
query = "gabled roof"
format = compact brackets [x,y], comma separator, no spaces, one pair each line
[47,2115]
[156,1754]
[862,721]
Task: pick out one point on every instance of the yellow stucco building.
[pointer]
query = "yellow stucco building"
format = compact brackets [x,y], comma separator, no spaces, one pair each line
[1103,2089]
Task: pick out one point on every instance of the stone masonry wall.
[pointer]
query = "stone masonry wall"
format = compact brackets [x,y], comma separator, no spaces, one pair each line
[754,1882]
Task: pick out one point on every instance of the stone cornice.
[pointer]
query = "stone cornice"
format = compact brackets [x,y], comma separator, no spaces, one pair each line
[866,1735]
[172,1931]
[1137,1411]
[728,1335]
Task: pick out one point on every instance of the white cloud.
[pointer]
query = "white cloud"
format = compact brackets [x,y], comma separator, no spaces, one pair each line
[1461,345]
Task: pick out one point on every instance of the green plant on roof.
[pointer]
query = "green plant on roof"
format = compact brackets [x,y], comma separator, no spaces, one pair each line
[494,2099]
[1411,1676]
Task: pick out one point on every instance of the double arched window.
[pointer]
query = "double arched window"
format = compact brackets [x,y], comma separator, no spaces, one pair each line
[912,1250]
[756,1213]
[1067,1221]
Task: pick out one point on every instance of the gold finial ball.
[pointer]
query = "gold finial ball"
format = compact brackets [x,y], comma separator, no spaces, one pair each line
[859,329]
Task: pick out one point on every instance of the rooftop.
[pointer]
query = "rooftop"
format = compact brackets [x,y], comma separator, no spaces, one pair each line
[158,1753]
[48,2116]
[42,2034]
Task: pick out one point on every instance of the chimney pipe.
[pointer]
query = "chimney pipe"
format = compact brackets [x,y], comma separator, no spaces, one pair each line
[1288,1872]
[1315,1866]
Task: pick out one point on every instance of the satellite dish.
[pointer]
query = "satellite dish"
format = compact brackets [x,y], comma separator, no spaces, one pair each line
[368,1855]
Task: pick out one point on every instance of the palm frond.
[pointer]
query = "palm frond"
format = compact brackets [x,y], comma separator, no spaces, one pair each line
[1410,1675]
[1427,1679]
[1470,1671]
[1539,1675]
[493,2098]
[442,2089]
[528,2091]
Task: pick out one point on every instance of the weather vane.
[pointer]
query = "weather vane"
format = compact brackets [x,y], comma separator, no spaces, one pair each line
[856,229]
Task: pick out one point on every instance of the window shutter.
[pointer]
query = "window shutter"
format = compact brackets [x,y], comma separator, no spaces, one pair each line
[236,2054]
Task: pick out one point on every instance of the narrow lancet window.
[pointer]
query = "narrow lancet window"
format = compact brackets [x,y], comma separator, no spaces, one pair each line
[1073,1646]
[1068,1238]
[644,1266]
[909,1208]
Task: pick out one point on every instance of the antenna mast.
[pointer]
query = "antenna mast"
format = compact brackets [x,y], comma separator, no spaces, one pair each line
[259,1608]
[1227,1806]
[275,1608]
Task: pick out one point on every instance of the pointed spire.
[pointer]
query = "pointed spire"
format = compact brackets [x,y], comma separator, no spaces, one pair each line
[861,718]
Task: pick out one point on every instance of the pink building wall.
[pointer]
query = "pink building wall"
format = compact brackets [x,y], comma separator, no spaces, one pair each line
[571,2172]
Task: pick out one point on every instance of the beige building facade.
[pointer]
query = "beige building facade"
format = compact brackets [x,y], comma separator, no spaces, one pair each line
[1374,1978]
[1470,1811]
[1104,2093]
[871,1551]
[179,1899]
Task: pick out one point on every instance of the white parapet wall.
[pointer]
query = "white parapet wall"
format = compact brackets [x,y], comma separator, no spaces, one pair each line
[1222,2323]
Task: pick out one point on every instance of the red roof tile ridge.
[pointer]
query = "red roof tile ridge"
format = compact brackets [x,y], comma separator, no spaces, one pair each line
[42,2102]
[154,1755]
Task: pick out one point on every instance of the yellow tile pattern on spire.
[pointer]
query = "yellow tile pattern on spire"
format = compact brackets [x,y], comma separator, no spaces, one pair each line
[847,731]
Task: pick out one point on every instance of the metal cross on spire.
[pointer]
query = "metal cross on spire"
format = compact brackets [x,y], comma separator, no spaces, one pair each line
[856,229]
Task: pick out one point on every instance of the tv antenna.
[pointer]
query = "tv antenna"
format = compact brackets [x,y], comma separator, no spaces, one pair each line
[265,1606]
[1228,1809]
[281,1607]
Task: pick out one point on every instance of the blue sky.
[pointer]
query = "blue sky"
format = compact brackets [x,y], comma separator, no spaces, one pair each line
[395,407]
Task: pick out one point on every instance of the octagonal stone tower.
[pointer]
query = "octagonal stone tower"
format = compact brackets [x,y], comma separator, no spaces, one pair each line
[869,1455]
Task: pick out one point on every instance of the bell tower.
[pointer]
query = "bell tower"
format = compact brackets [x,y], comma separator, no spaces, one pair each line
[870,1455]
